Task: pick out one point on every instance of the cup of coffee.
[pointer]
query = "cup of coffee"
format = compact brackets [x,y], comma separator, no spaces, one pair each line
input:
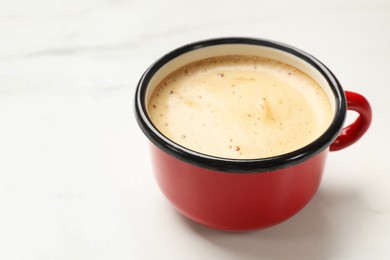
[240,129]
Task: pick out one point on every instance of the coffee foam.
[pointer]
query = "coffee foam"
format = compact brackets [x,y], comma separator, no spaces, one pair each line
[240,107]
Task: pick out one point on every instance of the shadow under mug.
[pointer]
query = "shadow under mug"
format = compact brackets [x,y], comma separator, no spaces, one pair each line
[246,194]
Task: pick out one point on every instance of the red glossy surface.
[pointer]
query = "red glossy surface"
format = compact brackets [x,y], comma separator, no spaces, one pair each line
[351,133]
[234,201]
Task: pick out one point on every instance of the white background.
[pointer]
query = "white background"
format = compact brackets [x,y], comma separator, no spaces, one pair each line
[75,175]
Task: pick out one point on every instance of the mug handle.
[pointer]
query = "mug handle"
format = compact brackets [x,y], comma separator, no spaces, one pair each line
[351,133]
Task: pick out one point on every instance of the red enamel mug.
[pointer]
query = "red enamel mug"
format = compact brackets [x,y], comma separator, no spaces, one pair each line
[246,194]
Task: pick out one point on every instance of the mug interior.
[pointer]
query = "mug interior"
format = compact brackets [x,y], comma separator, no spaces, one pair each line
[240,46]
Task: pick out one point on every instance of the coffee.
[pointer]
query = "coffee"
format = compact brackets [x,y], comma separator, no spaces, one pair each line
[241,107]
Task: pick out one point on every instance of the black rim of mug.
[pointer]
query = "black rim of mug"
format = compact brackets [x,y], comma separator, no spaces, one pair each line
[240,165]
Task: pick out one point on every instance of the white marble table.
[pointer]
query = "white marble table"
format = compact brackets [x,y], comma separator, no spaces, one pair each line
[75,176]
